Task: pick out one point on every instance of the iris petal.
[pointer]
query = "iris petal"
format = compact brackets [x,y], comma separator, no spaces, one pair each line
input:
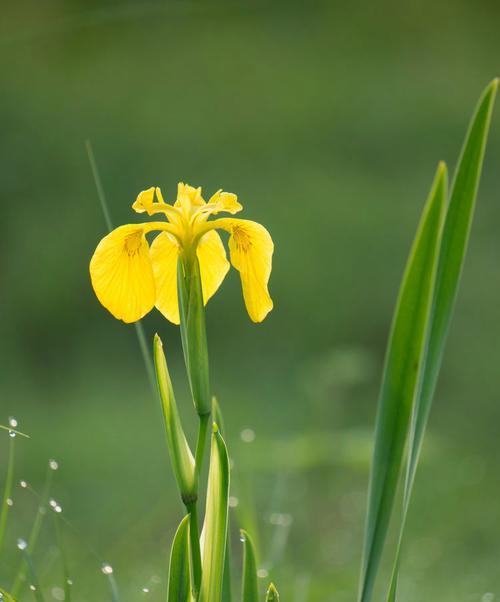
[121,273]
[251,249]
[164,256]
[213,263]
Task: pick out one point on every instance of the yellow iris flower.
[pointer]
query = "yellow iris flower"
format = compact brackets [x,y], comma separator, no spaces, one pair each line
[130,277]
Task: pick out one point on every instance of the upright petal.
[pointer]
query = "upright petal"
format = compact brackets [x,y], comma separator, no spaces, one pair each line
[251,249]
[164,257]
[121,273]
[213,263]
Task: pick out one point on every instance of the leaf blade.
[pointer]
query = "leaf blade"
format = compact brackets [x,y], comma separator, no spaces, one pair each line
[214,534]
[249,585]
[456,231]
[405,355]
[179,588]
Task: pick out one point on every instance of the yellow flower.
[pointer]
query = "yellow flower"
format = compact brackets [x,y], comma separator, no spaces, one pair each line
[130,277]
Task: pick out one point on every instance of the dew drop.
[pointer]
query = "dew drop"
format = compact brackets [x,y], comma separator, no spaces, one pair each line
[57,593]
[69,581]
[53,464]
[22,544]
[107,569]
[52,503]
[233,501]
[33,588]
[145,590]
[242,538]
[12,422]
[23,484]
[247,435]
[262,573]
[9,501]
[12,434]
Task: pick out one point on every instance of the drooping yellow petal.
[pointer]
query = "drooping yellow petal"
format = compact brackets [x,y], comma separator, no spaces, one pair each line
[121,273]
[164,257]
[213,263]
[251,249]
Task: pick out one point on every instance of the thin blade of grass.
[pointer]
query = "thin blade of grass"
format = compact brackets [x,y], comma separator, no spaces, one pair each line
[455,237]
[214,534]
[15,431]
[405,356]
[249,584]
[9,480]
[64,559]
[179,589]
[43,501]
[139,329]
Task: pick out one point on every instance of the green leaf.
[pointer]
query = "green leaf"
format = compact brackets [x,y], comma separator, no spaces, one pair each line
[193,332]
[227,595]
[178,577]
[180,453]
[214,534]
[405,355]
[250,588]
[455,236]
[272,594]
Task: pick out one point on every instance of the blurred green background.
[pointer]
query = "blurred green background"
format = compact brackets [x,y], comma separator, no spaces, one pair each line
[327,119]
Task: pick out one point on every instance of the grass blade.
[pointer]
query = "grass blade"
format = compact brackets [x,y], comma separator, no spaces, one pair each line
[178,577]
[214,534]
[405,356]
[9,480]
[250,588]
[141,337]
[455,236]
[35,531]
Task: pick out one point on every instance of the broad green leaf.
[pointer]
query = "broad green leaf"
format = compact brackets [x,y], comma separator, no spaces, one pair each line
[272,594]
[180,453]
[179,589]
[405,355]
[249,585]
[214,536]
[455,236]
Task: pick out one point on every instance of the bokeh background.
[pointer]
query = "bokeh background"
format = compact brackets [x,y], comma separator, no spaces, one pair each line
[327,119]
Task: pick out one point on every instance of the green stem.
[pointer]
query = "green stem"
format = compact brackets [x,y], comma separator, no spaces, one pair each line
[201,443]
[8,491]
[194,539]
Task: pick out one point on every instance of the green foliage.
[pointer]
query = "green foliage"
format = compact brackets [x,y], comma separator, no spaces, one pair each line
[272,594]
[416,343]
[179,587]
[180,453]
[215,527]
[250,588]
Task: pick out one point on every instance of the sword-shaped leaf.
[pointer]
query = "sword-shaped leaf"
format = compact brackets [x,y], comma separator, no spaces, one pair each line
[405,356]
[214,536]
